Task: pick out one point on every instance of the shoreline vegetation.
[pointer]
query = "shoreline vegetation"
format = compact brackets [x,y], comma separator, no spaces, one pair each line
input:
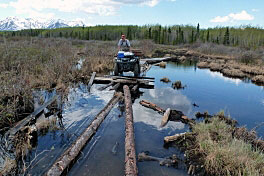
[58,59]
[216,146]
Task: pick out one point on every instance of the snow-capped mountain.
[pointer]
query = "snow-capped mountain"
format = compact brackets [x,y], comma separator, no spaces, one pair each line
[15,23]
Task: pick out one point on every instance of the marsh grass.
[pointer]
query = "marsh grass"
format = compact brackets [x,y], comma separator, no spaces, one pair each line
[224,154]
[28,63]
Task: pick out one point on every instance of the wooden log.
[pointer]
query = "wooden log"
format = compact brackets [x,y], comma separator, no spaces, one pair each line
[168,161]
[142,83]
[165,118]
[130,77]
[175,137]
[70,154]
[135,88]
[152,106]
[130,152]
[116,86]
[106,86]
[91,81]
[26,120]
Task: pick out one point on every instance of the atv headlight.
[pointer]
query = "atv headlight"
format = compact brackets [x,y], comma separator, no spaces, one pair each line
[132,60]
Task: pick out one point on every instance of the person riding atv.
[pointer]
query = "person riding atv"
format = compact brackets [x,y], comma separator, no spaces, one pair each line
[123,44]
[126,60]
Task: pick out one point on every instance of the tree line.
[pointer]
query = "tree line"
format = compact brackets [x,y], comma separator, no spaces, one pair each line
[244,36]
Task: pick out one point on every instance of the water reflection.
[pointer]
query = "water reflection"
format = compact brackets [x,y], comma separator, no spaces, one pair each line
[221,76]
[165,98]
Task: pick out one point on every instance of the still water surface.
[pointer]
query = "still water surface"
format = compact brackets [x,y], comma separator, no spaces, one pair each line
[213,92]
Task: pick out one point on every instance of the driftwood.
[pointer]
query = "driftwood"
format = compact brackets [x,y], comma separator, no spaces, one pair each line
[91,81]
[69,155]
[165,118]
[116,86]
[169,161]
[130,152]
[175,137]
[173,116]
[26,120]
[151,106]
[135,87]
[106,86]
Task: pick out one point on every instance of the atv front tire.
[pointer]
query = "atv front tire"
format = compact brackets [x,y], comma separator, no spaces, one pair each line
[116,71]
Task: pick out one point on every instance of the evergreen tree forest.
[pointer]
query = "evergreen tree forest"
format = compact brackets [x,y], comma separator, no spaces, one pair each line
[244,36]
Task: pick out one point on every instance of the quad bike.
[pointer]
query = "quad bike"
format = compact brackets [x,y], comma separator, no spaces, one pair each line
[127,61]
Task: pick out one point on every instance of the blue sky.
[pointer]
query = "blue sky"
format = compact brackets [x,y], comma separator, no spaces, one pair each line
[208,13]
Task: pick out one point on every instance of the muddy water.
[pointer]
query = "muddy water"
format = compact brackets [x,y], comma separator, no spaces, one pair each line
[104,154]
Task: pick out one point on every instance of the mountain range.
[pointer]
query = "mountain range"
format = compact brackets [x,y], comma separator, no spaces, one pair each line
[16,23]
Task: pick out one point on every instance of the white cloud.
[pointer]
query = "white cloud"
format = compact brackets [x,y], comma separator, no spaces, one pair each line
[220,19]
[3,5]
[255,10]
[99,7]
[242,16]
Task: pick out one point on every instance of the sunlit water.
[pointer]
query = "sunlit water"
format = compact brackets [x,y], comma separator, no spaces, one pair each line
[213,92]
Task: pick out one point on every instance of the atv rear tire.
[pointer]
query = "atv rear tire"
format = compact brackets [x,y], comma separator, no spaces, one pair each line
[137,70]
[116,72]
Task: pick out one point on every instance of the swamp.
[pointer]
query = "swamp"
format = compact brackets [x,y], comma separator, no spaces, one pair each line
[192,111]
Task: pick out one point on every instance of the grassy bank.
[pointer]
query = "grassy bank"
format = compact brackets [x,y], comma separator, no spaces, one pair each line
[215,147]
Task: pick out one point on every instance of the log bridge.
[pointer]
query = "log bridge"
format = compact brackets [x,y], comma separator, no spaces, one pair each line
[120,84]
[117,82]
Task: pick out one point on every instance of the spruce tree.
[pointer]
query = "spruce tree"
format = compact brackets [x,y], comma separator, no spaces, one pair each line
[227,37]
[208,35]
[149,33]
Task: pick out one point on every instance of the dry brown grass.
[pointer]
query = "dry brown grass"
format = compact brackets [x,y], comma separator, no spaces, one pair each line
[165,79]
[36,63]
[217,147]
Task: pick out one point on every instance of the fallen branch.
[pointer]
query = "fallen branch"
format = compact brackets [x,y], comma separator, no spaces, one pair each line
[151,106]
[130,152]
[91,81]
[173,116]
[26,120]
[116,86]
[175,137]
[106,86]
[169,161]
[69,155]
[165,118]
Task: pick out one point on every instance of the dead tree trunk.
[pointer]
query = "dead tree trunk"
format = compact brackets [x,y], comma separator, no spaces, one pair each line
[69,155]
[130,152]
[152,106]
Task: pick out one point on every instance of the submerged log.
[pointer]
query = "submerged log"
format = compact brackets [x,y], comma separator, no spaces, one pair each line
[69,155]
[130,152]
[91,81]
[165,118]
[26,120]
[169,161]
